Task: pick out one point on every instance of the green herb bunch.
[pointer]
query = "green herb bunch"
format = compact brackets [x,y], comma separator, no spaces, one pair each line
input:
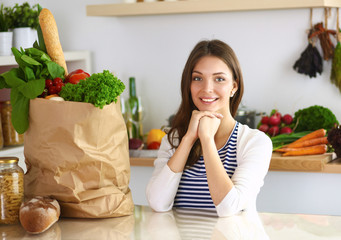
[100,89]
[284,139]
[313,118]
[27,82]
[335,75]
[23,15]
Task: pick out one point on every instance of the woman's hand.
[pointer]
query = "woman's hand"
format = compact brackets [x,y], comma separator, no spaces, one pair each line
[208,127]
[197,116]
[178,161]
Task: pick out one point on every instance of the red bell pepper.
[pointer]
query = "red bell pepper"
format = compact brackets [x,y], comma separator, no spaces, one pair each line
[75,76]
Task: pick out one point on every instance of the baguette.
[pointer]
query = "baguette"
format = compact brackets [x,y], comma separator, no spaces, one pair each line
[49,29]
[39,214]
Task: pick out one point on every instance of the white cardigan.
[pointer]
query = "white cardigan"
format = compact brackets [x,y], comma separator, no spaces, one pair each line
[254,150]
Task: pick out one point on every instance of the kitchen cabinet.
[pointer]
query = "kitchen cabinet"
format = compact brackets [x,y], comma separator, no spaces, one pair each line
[74,60]
[201,6]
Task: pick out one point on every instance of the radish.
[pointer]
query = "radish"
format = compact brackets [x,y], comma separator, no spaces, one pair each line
[273,131]
[264,128]
[278,114]
[265,120]
[286,130]
[275,120]
[287,119]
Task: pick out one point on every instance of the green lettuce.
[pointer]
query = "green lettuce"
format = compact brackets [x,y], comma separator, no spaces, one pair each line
[313,118]
[100,89]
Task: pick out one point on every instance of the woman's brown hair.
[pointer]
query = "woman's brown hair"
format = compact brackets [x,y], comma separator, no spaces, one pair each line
[182,118]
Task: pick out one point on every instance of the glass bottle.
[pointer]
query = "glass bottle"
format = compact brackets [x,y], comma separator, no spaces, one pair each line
[11,189]
[134,123]
[10,135]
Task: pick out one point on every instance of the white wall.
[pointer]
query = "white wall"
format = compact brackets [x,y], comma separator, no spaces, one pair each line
[154,50]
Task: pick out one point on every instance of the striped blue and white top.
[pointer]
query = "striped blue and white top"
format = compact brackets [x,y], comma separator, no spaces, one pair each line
[193,189]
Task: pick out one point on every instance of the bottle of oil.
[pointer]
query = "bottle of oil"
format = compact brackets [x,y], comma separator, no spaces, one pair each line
[134,113]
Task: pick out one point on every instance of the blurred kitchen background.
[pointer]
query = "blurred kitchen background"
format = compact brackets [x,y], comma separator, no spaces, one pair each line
[154,49]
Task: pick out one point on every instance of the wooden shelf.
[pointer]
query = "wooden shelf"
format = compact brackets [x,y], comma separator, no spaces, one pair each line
[313,163]
[202,6]
[309,163]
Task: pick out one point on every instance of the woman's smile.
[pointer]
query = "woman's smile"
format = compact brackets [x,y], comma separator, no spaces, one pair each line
[207,100]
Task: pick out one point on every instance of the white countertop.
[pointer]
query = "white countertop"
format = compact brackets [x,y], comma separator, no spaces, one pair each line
[188,224]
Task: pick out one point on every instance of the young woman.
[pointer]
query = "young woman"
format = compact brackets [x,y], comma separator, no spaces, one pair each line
[207,159]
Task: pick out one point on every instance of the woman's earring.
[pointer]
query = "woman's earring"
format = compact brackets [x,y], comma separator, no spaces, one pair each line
[232,94]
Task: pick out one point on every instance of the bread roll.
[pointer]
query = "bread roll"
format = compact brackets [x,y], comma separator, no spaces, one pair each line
[38,214]
[49,29]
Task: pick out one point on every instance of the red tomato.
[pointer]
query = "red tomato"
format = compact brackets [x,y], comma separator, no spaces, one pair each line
[74,79]
[52,90]
[57,80]
[75,76]
[59,86]
[48,83]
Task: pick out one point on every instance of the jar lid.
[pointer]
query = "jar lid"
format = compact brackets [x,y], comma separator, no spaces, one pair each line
[9,159]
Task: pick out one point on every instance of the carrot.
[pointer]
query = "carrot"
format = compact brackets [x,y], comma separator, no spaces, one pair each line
[282,149]
[316,134]
[317,149]
[291,149]
[309,142]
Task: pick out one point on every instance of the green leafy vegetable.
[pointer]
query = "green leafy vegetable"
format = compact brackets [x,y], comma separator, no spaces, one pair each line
[335,75]
[27,82]
[313,118]
[284,139]
[99,89]
[40,44]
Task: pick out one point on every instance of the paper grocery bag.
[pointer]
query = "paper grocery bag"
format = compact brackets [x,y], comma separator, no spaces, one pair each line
[78,154]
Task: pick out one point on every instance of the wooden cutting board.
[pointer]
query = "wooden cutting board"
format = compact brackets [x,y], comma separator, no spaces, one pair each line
[309,163]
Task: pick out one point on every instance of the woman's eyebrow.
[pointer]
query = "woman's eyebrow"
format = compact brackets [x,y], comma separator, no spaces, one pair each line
[194,71]
[217,73]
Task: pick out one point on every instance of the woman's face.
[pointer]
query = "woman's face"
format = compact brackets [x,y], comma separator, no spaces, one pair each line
[212,85]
